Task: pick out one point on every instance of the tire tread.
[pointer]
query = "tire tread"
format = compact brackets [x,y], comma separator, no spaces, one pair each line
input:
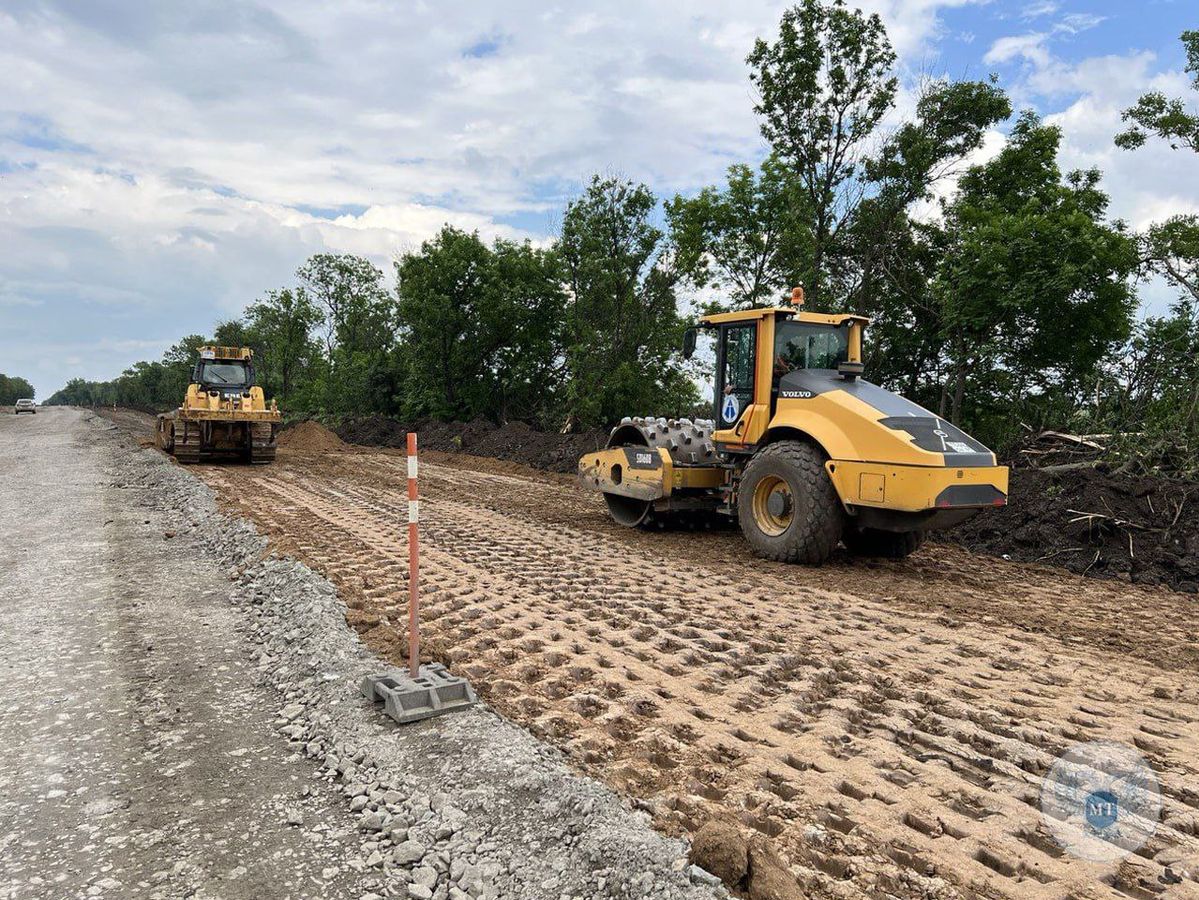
[821,519]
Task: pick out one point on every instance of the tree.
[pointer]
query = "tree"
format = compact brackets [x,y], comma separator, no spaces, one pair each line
[481,327]
[824,87]
[165,389]
[1034,286]
[623,329]
[1166,117]
[890,258]
[442,290]
[748,240]
[524,330]
[1153,392]
[13,389]
[358,313]
[1169,248]
[349,289]
[233,333]
[76,392]
[280,328]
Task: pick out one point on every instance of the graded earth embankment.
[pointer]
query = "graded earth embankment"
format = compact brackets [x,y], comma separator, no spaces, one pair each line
[885,727]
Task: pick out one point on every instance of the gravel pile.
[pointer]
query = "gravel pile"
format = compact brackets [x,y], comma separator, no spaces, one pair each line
[463,806]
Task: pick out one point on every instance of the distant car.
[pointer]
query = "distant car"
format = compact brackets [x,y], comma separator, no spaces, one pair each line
[25,406]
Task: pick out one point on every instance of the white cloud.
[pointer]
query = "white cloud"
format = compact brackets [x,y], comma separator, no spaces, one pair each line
[163,164]
[1031,47]
[1077,23]
[1085,98]
[1041,8]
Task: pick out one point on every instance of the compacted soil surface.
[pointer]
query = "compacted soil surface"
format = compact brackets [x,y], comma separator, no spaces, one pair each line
[885,727]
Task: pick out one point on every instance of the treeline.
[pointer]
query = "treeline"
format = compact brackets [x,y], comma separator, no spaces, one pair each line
[13,389]
[1009,304]
[579,331]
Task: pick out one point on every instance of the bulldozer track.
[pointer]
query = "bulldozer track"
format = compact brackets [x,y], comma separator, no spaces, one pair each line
[892,743]
[262,448]
[187,443]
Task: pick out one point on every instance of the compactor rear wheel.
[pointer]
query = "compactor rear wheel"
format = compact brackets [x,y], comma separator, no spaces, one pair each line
[787,505]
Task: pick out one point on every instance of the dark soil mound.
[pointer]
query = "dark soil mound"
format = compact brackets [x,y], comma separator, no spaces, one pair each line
[1145,529]
[515,442]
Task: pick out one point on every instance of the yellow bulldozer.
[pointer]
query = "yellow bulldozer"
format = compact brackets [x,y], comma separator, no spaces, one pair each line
[224,414]
[803,452]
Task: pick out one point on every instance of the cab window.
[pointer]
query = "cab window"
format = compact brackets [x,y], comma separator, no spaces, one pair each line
[224,373]
[738,360]
[802,345]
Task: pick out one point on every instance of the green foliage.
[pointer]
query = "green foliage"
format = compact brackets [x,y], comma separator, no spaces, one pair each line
[952,118]
[1154,391]
[1166,117]
[279,329]
[750,241]
[13,389]
[78,392]
[824,86]
[1150,397]
[358,320]
[481,326]
[1033,287]
[1170,248]
[889,258]
[622,330]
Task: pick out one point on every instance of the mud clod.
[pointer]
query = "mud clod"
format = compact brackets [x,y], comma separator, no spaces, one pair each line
[1094,522]
[719,848]
[515,442]
[769,878]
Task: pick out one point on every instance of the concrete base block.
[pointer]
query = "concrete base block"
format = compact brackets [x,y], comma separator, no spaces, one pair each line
[433,692]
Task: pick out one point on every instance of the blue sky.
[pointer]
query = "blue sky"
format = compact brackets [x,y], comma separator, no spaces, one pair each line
[161,165]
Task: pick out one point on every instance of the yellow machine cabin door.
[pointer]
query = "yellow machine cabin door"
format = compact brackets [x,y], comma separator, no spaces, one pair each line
[742,393]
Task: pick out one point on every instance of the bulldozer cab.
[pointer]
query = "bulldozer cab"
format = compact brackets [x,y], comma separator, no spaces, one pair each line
[756,348]
[225,370]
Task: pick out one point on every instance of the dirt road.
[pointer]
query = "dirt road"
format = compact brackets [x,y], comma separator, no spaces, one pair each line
[887,726]
[139,758]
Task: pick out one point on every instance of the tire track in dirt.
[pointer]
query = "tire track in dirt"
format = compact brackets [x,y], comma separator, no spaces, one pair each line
[878,748]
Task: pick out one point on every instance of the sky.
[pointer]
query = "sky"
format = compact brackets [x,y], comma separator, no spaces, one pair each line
[162,165]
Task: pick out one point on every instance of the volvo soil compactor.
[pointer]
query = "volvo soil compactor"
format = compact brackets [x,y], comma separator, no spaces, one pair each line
[803,452]
[224,414]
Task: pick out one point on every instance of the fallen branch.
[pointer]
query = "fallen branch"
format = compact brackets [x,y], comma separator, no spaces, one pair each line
[1058,553]
[1178,512]
[1070,467]
[1070,438]
[1119,523]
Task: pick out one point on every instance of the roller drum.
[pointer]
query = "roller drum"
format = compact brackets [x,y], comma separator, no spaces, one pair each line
[689,443]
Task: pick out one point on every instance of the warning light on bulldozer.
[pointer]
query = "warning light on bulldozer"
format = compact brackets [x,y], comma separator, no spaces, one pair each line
[797,295]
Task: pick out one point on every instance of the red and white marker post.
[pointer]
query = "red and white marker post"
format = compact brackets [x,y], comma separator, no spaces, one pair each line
[413,562]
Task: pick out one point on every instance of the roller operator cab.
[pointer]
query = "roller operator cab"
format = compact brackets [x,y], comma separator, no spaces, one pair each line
[801,449]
